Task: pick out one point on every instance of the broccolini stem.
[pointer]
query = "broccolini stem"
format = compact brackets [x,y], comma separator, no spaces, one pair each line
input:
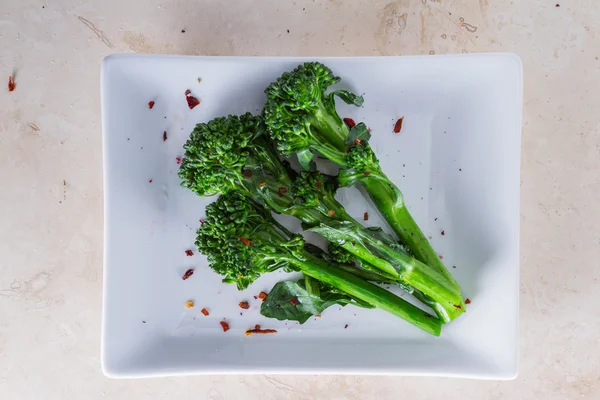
[367,292]
[369,272]
[421,276]
[363,253]
[389,201]
[405,269]
[311,286]
[331,127]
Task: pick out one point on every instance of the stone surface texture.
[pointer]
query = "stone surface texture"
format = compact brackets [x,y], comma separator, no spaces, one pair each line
[51,175]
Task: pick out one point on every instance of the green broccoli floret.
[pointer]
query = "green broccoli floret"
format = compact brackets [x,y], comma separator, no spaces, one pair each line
[213,162]
[242,242]
[224,238]
[301,116]
[232,153]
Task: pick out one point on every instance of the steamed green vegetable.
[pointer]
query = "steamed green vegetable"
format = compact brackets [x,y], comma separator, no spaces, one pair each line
[232,154]
[303,119]
[242,241]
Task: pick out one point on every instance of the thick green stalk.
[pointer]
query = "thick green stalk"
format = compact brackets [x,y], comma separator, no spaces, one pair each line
[330,127]
[390,203]
[367,292]
[363,253]
[422,277]
[373,274]
[367,247]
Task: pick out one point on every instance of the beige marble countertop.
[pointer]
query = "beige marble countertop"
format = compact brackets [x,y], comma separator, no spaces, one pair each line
[51,174]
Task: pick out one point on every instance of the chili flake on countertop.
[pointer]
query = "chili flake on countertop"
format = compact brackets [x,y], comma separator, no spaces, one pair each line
[11,84]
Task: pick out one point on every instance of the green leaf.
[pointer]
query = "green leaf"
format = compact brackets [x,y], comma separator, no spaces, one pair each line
[349,97]
[358,131]
[289,300]
[305,158]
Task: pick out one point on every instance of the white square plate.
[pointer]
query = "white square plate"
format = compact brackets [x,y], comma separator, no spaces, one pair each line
[456,160]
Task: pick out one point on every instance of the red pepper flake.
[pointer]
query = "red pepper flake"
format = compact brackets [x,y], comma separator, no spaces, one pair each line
[178,160]
[261,184]
[247,173]
[441,257]
[255,297]
[245,241]
[244,304]
[443,233]
[459,307]
[367,174]
[366,216]
[191,100]
[398,125]
[346,327]
[164,136]
[318,315]
[258,331]
[319,184]
[151,104]
[349,123]
[189,253]
[205,312]
[468,301]
[262,296]
[188,273]
[369,129]
[149,180]
[358,142]
[282,191]
[331,213]
[224,325]
[558,5]
[11,84]
[294,301]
